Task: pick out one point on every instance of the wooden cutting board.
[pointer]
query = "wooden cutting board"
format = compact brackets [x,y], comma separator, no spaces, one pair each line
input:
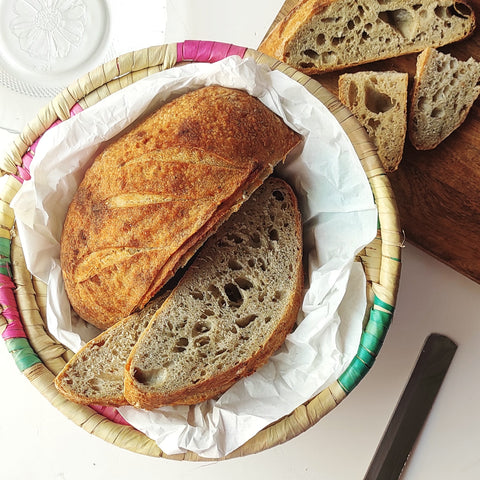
[437,191]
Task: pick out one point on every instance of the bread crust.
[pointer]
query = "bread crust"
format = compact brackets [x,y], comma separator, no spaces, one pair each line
[153,196]
[291,32]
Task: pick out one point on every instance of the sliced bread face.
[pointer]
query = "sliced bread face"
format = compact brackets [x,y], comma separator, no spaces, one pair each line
[379,101]
[230,312]
[94,375]
[325,35]
[444,91]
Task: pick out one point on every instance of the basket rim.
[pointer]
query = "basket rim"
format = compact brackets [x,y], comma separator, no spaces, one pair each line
[381,259]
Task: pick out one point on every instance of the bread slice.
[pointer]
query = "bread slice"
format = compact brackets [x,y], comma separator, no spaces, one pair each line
[444,91]
[231,310]
[379,102]
[95,374]
[154,195]
[325,35]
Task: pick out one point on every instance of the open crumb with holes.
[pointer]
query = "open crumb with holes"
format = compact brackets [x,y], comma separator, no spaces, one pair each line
[231,310]
[319,36]
[443,93]
[379,102]
[94,375]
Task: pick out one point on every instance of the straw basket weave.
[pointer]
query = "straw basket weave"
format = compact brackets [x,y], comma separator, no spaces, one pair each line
[23,298]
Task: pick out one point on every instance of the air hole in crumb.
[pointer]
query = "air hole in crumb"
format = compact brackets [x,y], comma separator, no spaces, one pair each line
[261,264]
[255,240]
[196,295]
[243,283]
[401,20]
[215,291]
[246,321]
[233,294]
[321,39]
[311,53]
[201,341]
[273,235]
[201,327]
[149,377]
[460,10]
[181,345]
[278,195]
[278,295]
[376,101]
[237,239]
[234,264]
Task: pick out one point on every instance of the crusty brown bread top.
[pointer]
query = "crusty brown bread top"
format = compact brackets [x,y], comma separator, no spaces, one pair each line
[325,35]
[231,310]
[153,196]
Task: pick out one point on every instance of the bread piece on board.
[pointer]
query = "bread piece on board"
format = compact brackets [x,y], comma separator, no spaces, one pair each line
[232,309]
[152,197]
[94,375]
[379,102]
[443,93]
[325,35]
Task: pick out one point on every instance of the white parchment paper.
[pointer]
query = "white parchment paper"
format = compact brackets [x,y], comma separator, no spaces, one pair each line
[340,218]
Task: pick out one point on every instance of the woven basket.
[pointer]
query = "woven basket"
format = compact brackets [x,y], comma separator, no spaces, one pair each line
[23,298]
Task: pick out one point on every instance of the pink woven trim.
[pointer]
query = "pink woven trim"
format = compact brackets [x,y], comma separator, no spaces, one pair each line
[14,330]
[9,309]
[7,298]
[24,169]
[206,51]
[110,413]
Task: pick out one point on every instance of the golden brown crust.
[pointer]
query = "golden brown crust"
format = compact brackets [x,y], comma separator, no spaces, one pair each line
[154,195]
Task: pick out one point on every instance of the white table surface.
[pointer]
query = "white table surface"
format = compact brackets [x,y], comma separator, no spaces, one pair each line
[37,441]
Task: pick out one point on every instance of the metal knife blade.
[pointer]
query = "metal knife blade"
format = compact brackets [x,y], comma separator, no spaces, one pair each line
[412,409]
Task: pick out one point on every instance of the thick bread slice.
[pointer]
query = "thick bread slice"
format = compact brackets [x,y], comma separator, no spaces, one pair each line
[325,35]
[153,196]
[94,375]
[443,93]
[379,102]
[229,313]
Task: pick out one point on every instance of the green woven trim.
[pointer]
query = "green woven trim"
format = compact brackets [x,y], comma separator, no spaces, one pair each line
[370,343]
[22,353]
[381,303]
[5,248]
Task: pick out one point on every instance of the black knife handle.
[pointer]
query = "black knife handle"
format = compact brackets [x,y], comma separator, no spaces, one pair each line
[412,409]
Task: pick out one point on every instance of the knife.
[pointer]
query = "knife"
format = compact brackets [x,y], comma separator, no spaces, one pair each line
[412,409]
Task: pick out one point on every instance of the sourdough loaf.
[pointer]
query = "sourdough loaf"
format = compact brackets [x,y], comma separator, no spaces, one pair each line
[95,374]
[230,311]
[324,35]
[379,102]
[444,91]
[152,197]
